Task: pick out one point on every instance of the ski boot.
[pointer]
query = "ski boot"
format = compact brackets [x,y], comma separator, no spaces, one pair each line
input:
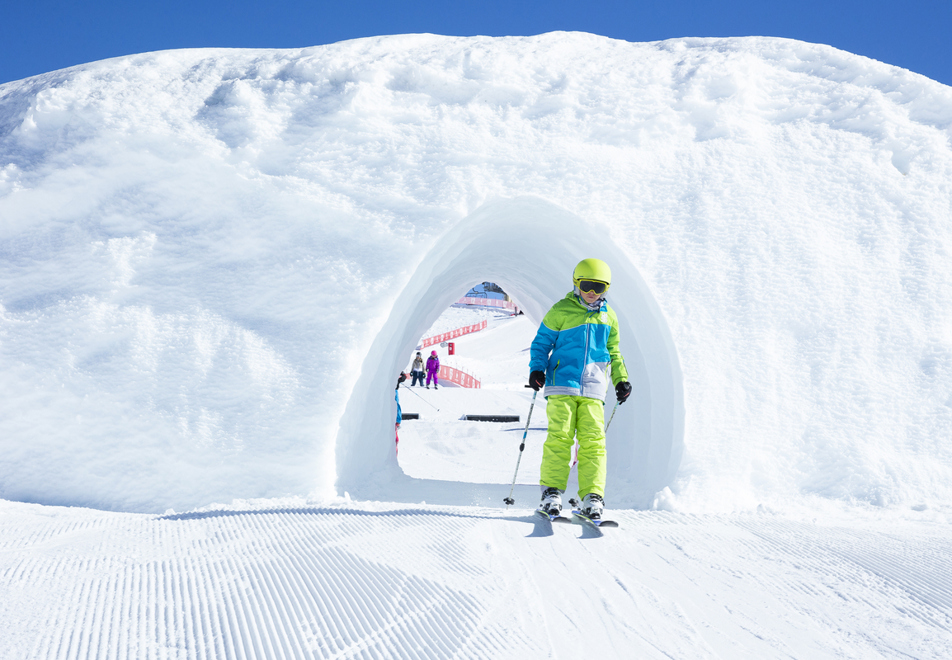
[551,502]
[592,506]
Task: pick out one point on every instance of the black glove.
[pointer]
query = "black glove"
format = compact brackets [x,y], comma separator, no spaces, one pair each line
[623,391]
[537,380]
[403,377]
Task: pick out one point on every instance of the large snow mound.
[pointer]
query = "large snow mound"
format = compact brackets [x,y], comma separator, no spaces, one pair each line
[214,262]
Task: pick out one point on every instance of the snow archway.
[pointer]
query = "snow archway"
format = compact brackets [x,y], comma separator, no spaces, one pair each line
[528,247]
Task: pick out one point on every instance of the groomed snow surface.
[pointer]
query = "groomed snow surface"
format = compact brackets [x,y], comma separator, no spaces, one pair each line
[295,579]
[214,263]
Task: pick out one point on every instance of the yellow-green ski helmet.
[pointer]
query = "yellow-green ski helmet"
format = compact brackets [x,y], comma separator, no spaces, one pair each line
[593,270]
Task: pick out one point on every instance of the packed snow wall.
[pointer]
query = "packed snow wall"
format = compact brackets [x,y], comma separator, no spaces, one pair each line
[205,256]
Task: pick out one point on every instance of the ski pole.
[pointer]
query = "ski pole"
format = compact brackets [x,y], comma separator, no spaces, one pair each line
[508,500]
[617,403]
[424,400]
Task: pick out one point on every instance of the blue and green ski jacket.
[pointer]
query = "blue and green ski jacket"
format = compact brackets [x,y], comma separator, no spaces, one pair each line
[577,349]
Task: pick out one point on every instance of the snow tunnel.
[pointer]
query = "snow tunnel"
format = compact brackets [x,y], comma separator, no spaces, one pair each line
[529,247]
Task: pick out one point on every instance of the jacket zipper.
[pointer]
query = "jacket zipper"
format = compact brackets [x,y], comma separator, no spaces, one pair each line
[588,330]
[588,335]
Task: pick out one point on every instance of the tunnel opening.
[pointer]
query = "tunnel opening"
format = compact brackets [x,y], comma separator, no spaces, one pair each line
[528,247]
[460,419]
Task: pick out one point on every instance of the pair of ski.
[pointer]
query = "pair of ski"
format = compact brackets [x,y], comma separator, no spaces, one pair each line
[580,516]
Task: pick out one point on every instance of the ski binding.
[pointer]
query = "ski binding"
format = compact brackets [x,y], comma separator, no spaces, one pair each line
[591,521]
[555,519]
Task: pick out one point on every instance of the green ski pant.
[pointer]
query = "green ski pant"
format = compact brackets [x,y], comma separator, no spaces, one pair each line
[568,416]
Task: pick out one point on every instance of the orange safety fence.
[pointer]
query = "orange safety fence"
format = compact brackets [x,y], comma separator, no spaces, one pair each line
[453,334]
[461,378]
[488,302]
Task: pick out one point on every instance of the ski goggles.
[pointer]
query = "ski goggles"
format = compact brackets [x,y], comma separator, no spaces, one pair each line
[587,286]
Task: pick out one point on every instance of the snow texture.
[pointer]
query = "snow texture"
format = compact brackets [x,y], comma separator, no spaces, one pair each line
[295,579]
[213,263]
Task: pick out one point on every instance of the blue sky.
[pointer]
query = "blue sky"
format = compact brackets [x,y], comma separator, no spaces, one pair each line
[37,36]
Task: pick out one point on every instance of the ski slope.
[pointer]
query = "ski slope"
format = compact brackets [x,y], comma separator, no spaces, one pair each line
[441,445]
[293,579]
[214,263]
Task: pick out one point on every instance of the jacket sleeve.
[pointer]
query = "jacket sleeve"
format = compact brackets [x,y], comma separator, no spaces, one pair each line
[396,397]
[619,370]
[542,347]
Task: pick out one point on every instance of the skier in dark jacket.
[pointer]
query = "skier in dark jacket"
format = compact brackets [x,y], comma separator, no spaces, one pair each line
[417,370]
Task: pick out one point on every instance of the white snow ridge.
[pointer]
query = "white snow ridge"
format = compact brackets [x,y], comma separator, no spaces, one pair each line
[214,263]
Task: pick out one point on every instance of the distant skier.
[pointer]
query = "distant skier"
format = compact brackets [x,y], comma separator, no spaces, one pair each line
[433,370]
[417,369]
[571,356]
[396,397]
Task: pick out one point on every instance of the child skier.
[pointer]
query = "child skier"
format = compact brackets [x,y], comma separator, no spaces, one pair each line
[433,370]
[416,369]
[576,345]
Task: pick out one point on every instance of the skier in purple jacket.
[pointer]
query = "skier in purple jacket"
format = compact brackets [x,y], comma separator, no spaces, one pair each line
[433,370]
